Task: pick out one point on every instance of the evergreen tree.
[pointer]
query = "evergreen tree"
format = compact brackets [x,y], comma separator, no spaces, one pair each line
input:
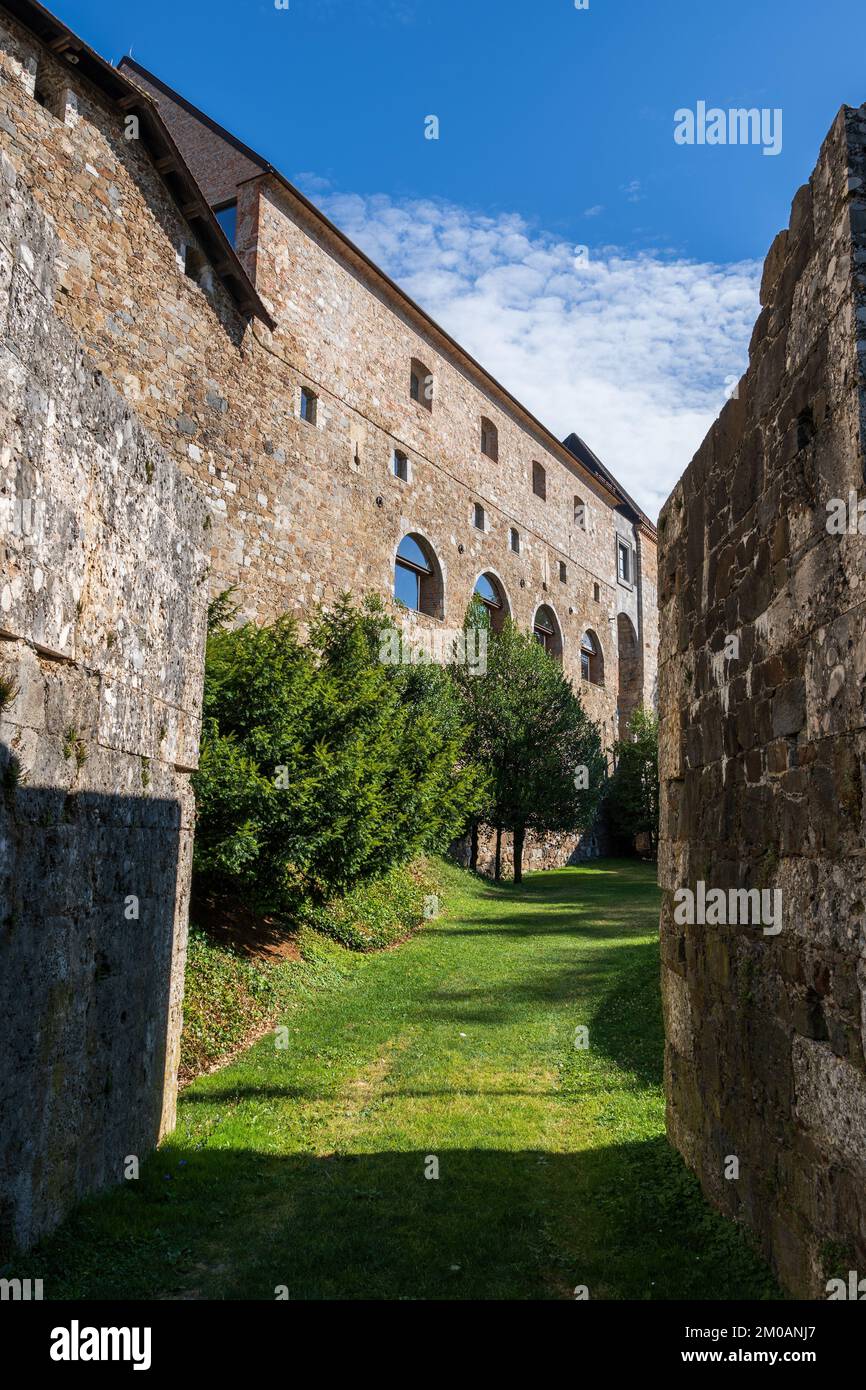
[540,749]
[633,798]
[323,764]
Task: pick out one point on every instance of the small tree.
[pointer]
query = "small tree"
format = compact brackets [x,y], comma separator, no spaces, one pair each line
[540,749]
[633,798]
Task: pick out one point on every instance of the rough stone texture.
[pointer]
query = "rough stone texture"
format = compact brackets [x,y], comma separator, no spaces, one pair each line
[120,373]
[762,755]
[103,596]
[302,512]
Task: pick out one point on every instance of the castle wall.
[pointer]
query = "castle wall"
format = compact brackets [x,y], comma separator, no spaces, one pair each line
[302,512]
[762,755]
[103,594]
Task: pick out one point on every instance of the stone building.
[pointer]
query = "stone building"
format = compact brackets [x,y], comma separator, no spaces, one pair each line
[198,367]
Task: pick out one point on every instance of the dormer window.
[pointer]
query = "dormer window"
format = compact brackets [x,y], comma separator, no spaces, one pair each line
[227,216]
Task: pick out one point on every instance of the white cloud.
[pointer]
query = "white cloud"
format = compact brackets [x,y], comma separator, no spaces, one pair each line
[594,211]
[632,351]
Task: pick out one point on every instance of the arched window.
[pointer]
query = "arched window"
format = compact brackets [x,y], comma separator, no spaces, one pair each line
[547,633]
[489,439]
[580,513]
[417,579]
[492,595]
[421,384]
[539,481]
[591,659]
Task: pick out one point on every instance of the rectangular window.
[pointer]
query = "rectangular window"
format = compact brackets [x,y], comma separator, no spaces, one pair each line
[401,466]
[515,541]
[563,572]
[596,592]
[480,519]
[584,665]
[227,216]
[309,404]
[624,562]
[539,481]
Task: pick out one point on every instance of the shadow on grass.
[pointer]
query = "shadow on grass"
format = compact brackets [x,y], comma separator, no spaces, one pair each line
[627,1221]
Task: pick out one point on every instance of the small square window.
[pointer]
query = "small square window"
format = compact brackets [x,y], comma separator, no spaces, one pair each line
[514,541]
[480,520]
[309,407]
[563,572]
[401,466]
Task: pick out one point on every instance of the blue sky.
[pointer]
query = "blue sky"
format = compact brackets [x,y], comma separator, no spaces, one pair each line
[556,131]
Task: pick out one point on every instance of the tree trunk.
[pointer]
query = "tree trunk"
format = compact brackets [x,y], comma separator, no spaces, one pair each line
[473,848]
[497,873]
[519,833]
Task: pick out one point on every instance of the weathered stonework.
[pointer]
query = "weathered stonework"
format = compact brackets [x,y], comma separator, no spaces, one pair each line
[103,595]
[762,753]
[302,512]
[151,408]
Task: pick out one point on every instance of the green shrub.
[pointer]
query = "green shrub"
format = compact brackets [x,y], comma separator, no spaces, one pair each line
[380,913]
[322,767]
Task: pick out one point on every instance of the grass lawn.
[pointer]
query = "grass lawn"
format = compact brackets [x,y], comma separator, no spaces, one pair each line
[305,1167]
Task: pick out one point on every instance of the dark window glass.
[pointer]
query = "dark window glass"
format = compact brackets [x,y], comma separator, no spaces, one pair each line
[308,407]
[401,466]
[479,516]
[515,541]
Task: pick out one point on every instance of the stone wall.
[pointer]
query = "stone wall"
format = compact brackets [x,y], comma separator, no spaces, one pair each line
[762,664]
[103,593]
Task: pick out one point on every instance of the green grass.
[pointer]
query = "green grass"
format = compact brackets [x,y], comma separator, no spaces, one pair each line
[304,1167]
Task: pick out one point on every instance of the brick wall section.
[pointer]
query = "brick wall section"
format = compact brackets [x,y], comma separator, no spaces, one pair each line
[103,596]
[762,756]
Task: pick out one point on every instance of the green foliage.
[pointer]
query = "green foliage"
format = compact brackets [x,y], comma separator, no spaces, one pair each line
[8,692]
[633,797]
[13,774]
[322,766]
[381,913]
[229,998]
[542,752]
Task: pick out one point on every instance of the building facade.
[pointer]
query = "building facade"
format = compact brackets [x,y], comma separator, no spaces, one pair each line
[342,439]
